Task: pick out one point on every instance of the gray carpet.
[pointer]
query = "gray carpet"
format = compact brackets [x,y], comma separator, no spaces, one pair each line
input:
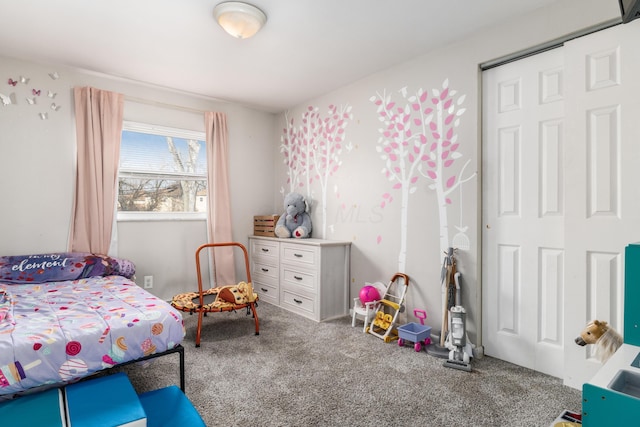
[301,373]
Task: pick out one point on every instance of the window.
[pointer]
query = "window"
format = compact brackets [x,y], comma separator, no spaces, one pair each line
[162,173]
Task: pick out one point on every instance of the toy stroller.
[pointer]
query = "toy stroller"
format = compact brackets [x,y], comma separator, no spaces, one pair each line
[391,305]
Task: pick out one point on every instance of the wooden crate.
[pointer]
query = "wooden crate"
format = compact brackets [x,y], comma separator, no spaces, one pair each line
[265,225]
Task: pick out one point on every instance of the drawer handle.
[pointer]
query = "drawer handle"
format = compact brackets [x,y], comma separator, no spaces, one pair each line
[264,290]
[265,250]
[265,269]
[297,277]
[298,255]
[298,301]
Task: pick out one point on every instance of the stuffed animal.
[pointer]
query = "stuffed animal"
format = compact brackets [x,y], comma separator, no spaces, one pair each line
[606,339]
[295,222]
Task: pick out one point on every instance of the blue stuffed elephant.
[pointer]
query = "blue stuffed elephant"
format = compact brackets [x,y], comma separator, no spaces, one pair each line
[295,222]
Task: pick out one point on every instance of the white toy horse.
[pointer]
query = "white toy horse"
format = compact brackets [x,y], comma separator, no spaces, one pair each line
[606,339]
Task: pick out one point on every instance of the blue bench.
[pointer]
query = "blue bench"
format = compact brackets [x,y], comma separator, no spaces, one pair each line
[169,407]
[108,401]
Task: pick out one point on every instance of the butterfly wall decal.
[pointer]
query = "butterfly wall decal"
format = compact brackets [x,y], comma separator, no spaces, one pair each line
[6,99]
[51,94]
[12,82]
[35,92]
[55,107]
[54,75]
[44,116]
[24,80]
[31,101]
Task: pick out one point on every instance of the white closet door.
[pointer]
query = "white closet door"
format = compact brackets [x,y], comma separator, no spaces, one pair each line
[561,198]
[602,160]
[523,212]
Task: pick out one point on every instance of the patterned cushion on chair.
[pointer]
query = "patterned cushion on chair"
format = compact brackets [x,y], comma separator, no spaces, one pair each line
[221,298]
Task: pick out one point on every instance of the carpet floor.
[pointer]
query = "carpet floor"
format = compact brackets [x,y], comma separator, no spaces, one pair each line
[301,373]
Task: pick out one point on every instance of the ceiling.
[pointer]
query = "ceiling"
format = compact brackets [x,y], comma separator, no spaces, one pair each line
[307,47]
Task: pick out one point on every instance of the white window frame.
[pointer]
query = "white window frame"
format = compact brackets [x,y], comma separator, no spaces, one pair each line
[161,216]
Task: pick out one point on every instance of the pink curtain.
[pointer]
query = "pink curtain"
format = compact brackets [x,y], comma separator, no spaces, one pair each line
[98,133]
[219,206]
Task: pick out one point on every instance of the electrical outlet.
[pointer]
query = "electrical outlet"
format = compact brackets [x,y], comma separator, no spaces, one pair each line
[148,282]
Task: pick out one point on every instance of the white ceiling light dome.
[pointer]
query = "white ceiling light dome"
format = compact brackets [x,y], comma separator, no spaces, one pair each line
[241,20]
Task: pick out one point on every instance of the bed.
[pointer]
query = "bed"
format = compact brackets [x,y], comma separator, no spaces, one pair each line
[65,316]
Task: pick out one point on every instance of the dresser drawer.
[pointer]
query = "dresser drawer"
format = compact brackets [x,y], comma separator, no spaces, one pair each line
[299,304]
[299,254]
[265,272]
[267,292]
[265,251]
[298,279]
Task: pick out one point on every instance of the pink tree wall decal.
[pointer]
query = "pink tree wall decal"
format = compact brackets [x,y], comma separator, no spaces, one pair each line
[417,138]
[312,151]
[292,155]
[402,146]
[328,145]
[443,153]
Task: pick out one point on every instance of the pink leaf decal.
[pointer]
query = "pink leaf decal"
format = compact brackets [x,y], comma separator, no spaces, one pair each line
[379,239]
[432,175]
[423,97]
[397,186]
[414,179]
[448,201]
[386,195]
[451,181]
[433,126]
[454,147]
[417,122]
[382,205]
[449,119]
[444,93]
[448,103]
[415,106]
[448,163]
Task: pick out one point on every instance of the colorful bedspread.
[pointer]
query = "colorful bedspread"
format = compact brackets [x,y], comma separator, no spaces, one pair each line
[55,332]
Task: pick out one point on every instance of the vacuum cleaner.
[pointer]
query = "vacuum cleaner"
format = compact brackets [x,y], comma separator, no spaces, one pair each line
[460,351]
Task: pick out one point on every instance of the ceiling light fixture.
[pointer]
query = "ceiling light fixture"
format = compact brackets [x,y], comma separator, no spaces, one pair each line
[241,20]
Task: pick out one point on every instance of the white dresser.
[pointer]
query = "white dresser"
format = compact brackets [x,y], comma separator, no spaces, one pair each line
[309,277]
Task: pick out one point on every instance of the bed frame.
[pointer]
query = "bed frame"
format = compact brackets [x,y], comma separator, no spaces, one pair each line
[177,349]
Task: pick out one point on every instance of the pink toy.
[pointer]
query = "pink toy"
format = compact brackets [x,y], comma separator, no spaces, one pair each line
[368,294]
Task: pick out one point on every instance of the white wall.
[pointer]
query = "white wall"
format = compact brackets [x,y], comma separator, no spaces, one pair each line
[355,195]
[37,170]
